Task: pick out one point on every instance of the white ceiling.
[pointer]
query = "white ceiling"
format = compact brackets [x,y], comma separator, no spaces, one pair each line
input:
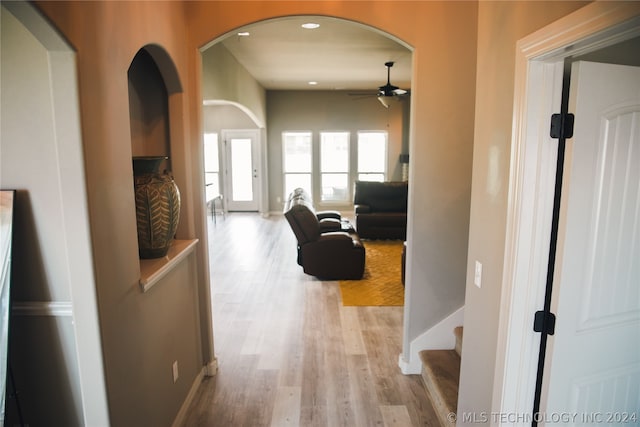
[339,55]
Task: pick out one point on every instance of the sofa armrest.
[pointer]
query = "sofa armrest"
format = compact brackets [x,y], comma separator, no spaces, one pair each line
[328,214]
[330,224]
[362,209]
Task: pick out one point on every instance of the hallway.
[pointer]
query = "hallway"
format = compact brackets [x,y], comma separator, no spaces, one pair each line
[289,353]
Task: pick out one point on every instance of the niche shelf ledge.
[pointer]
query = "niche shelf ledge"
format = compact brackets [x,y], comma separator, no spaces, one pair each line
[152,270]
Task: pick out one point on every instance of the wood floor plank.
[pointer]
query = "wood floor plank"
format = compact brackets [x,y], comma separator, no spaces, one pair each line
[289,353]
[286,409]
[395,416]
[351,331]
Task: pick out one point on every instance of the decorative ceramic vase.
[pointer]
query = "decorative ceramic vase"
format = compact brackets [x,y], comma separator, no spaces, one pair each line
[157,207]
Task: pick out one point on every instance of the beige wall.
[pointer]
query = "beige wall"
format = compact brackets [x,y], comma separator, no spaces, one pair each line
[500,25]
[225,79]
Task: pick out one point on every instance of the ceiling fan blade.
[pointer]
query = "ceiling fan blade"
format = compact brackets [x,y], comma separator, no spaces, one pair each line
[384,100]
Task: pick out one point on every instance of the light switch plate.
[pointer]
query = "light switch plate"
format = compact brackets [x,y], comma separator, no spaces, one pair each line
[477,279]
[175,371]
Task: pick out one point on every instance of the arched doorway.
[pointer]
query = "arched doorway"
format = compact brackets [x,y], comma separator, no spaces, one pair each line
[231,83]
[335,67]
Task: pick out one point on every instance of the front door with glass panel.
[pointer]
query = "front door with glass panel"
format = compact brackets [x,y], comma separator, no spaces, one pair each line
[242,177]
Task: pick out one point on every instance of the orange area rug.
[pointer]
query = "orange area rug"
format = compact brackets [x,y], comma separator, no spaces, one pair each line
[382,282]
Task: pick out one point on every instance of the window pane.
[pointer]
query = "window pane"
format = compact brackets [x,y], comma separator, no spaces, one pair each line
[334,186]
[241,170]
[297,151]
[334,152]
[297,180]
[212,185]
[211,166]
[372,152]
[211,163]
[371,177]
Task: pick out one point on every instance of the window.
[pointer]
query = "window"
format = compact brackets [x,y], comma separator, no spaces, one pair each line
[297,161]
[330,167]
[372,156]
[334,166]
[211,166]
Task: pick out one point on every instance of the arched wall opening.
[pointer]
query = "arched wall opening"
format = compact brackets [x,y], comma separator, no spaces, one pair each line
[225,81]
[443,36]
[340,100]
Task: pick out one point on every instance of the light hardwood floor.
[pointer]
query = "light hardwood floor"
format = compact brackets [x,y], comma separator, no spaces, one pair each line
[289,353]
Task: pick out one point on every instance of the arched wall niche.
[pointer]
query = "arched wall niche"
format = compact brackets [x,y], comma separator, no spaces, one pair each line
[166,67]
[156,120]
[152,79]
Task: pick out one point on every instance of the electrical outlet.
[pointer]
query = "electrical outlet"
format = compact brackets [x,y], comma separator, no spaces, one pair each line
[477,280]
[175,371]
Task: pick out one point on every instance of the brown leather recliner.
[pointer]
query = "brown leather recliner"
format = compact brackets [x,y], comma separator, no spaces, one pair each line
[329,255]
[329,220]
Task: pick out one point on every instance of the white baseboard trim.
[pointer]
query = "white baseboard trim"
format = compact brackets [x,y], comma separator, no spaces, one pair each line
[182,413]
[439,337]
[211,368]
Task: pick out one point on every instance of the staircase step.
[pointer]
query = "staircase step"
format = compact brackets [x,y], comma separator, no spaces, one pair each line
[441,376]
[458,333]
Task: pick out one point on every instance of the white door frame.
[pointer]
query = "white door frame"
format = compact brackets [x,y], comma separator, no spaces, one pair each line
[537,95]
[83,305]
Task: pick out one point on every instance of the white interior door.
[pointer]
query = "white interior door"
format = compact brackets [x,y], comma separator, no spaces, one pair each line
[593,369]
[242,175]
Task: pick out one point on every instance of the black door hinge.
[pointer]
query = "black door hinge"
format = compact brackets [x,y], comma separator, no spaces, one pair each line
[562,126]
[544,321]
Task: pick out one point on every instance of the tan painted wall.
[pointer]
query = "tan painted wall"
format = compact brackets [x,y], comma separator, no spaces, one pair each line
[500,25]
[224,78]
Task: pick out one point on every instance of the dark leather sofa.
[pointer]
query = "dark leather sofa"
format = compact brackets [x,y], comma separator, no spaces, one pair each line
[331,255]
[381,209]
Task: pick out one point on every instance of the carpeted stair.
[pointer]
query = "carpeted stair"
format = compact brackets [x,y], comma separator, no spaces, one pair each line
[441,376]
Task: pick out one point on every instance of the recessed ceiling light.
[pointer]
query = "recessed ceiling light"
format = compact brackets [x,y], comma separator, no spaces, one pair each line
[312,83]
[310,25]
[244,33]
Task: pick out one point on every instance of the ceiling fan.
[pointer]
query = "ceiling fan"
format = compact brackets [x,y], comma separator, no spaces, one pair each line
[387,92]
